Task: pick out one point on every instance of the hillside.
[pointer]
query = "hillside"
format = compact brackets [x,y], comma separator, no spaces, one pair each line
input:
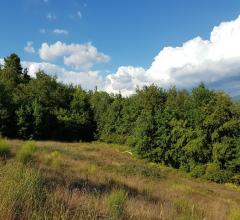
[101,181]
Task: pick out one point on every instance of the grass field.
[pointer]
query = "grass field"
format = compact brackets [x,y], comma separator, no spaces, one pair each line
[100,181]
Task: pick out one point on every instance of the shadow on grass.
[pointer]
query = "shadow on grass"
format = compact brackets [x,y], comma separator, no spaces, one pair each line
[95,188]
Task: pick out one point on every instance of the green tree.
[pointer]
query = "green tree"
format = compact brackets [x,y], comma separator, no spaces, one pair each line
[77,120]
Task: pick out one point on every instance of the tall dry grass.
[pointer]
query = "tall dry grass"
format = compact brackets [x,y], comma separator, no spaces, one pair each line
[98,181]
[21,192]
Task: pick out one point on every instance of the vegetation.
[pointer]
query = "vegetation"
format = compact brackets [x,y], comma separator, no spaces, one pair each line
[25,153]
[89,185]
[4,149]
[53,159]
[21,192]
[196,131]
[116,203]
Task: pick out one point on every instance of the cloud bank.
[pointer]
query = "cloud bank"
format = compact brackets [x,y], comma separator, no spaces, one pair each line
[185,66]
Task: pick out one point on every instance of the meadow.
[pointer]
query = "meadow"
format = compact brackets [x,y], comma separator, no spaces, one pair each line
[58,180]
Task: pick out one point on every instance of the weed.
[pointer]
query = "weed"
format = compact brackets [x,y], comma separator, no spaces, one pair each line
[186,211]
[54,159]
[25,154]
[4,148]
[235,214]
[116,202]
[92,169]
[56,162]
[232,186]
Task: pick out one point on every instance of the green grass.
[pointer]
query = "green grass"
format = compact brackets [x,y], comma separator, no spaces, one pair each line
[26,152]
[235,214]
[21,192]
[187,211]
[4,149]
[116,203]
[53,159]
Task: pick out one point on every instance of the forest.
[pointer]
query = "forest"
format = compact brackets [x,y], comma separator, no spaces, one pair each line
[197,131]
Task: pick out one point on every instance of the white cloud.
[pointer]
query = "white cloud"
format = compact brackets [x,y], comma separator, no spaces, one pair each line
[215,61]
[29,48]
[88,79]
[196,60]
[60,31]
[79,56]
[200,60]
[125,80]
[51,16]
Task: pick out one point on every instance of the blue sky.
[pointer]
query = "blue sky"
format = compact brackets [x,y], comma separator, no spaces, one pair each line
[125,33]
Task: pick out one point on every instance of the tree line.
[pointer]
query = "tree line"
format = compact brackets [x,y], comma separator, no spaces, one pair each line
[197,131]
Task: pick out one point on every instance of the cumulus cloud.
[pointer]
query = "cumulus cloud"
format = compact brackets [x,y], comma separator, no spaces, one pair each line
[60,31]
[79,56]
[88,79]
[196,60]
[29,48]
[215,61]
[125,80]
[200,60]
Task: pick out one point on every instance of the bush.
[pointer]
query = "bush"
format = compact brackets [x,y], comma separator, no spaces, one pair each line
[116,202]
[4,149]
[114,138]
[198,171]
[21,192]
[236,179]
[25,154]
[214,173]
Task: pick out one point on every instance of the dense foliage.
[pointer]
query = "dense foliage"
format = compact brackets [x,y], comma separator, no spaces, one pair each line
[197,131]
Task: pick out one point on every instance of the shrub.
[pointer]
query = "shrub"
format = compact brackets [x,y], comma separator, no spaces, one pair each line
[198,171]
[116,202]
[21,192]
[114,138]
[25,154]
[236,179]
[214,173]
[4,149]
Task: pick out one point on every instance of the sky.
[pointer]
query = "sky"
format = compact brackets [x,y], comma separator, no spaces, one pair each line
[117,45]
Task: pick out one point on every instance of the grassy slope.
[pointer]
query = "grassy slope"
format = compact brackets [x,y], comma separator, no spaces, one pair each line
[83,175]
